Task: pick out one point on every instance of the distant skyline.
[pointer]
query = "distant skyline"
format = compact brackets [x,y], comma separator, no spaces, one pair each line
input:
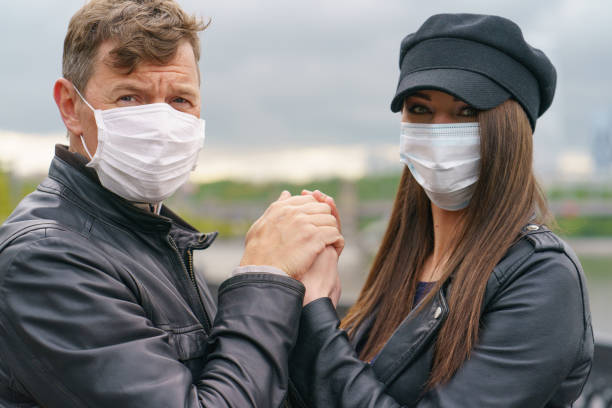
[286,74]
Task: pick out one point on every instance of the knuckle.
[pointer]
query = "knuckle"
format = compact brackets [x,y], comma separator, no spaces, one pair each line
[275,206]
[308,234]
[299,220]
[289,211]
[310,230]
[281,213]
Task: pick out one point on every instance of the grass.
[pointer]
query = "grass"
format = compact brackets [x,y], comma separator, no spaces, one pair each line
[579,192]
[597,268]
[233,191]
[378,187]
[226,228]
[585,226]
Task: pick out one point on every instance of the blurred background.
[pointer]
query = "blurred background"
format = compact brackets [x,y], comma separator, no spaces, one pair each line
[296,95]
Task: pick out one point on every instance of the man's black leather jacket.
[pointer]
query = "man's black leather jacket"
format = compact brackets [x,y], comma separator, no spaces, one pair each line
[535,346]
[100,307]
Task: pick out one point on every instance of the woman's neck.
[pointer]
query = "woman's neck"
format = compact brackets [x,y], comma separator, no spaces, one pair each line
[444,228]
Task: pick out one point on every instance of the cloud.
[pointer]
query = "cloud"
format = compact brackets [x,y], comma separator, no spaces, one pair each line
[279,73]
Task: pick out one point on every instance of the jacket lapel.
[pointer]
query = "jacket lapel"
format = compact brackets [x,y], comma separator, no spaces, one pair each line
[410,338]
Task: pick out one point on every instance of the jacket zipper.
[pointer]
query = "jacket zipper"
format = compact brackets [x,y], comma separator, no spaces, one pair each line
[189,271]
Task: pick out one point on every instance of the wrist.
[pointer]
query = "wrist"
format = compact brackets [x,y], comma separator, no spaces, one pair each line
[258,269]
[254,264]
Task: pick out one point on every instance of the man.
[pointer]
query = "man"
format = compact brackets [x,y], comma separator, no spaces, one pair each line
[100,305]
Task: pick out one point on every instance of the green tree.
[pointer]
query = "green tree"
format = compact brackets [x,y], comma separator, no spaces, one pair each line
[6,204]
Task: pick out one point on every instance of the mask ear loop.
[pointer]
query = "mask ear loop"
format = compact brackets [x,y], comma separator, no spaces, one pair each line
[90,107]
[155,208]
[85,146]
[82,98]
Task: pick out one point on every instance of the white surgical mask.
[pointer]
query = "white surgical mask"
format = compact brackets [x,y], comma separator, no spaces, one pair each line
[444,159]
[145,152]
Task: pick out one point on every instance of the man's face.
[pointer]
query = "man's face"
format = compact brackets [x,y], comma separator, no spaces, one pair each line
[176,83]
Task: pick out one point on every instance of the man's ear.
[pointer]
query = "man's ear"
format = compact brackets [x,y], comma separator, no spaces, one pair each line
[66,100]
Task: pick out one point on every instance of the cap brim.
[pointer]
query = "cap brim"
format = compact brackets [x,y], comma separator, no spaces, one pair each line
[475,89]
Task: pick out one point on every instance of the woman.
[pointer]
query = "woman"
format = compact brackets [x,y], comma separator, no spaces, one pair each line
[471,301]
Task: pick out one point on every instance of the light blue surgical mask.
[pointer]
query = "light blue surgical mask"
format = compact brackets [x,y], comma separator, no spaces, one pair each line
[444,159]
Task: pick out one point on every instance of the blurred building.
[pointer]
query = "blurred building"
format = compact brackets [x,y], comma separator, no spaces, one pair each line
[575,166]
[602,143]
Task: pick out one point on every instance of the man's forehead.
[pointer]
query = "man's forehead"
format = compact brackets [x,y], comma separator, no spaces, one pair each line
[182,64]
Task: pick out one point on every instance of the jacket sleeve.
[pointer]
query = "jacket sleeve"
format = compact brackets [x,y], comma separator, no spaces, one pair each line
[531,336]
[75,335]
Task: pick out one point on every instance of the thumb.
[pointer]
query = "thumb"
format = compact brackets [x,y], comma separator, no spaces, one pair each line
[284,195]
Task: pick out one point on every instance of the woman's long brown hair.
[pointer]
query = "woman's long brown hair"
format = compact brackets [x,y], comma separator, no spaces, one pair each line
[505,198]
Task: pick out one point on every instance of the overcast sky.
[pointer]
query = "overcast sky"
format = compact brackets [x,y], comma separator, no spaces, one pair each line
[290,73]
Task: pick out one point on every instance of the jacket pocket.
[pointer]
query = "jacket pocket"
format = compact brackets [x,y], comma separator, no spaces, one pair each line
[188,345]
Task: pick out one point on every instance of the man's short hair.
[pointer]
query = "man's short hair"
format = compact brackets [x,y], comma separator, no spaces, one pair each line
[141,30]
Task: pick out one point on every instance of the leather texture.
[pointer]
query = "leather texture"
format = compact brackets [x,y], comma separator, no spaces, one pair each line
[535,346]
[100,307]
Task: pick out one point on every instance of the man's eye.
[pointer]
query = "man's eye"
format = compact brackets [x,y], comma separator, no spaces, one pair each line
[180,100]
[127,98]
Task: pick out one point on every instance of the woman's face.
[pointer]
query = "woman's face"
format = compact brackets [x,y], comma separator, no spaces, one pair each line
[429,106]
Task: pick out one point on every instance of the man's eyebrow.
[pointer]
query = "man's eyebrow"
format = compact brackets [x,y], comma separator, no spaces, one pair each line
[130,87]
[185,89]
[138,88]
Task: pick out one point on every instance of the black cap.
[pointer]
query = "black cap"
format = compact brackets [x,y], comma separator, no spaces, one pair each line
[482,60]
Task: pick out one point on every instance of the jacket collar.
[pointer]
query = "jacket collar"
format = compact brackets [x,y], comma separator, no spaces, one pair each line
[81,184]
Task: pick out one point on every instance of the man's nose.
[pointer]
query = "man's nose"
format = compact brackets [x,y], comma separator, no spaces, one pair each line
[158,98]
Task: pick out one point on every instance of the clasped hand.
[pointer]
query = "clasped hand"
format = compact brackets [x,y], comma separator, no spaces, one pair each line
[301,236]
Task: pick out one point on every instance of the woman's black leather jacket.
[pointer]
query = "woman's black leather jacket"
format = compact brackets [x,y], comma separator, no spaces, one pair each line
[535,346]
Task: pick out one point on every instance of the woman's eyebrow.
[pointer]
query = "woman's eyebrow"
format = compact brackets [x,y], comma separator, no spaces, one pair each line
[421,95]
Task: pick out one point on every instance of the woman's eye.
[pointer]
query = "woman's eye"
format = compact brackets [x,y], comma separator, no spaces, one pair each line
[468,111]
[418,109]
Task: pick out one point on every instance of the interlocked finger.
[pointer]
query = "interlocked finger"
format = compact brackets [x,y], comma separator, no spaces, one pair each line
[321,220]
[324,198]
[299,200]
[314,207]
[331,236]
